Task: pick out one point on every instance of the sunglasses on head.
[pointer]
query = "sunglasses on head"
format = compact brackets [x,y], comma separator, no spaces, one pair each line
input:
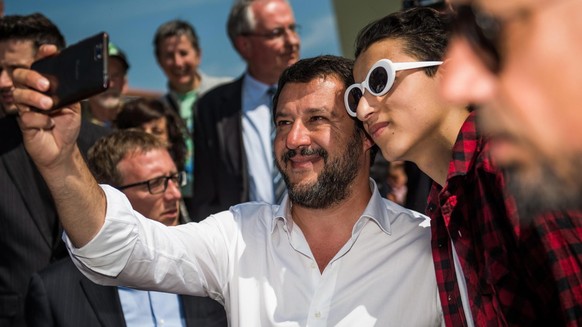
[482,31]
[379,80]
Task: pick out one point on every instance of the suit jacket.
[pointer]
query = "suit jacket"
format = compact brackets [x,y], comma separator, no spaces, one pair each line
[220,172]
[30,235]
[62,296]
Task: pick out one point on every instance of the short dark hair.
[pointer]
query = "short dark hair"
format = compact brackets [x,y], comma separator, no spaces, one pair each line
[139,111]
[425,33]
[108,151]
[34,27]
[306,70]
[172,28]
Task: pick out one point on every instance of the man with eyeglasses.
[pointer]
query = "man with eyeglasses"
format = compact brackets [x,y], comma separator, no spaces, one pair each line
[520,62]
[233,157]
[141,167]
[490,269]
[333,253]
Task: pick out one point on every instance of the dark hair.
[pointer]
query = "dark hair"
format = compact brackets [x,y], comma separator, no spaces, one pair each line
[35,27]
[175,28]
[425,33]
[306,70]
[108,151]
[139,111]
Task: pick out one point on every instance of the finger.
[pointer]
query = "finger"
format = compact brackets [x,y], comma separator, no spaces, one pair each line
[25,98]
[29,78]
[46,50]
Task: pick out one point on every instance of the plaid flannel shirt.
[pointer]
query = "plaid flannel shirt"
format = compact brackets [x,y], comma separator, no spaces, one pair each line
[528,274]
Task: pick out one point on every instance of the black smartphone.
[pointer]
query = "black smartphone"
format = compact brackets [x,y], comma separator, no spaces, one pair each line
[77,72]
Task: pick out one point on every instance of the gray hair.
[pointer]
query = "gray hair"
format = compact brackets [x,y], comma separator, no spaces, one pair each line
[241,19]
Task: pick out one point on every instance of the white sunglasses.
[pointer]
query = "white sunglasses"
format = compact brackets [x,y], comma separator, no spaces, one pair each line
[379,81]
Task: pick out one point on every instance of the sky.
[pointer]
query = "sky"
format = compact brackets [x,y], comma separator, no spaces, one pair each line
[131,25]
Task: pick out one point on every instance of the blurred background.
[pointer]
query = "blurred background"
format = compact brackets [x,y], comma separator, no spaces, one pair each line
[328,27]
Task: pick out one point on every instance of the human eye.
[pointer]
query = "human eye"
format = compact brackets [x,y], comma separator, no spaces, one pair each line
[282,122]
[277,32]
[157,183]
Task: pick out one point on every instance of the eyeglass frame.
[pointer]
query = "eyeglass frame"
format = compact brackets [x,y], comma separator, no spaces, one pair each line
[391,68]
[276,33]
[180,176]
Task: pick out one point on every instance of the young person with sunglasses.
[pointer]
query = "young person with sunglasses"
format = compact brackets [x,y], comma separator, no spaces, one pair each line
[399,70]
[520,61]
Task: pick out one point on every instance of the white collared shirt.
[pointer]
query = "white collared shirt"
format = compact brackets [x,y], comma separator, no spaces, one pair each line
[256,261]
[256,134]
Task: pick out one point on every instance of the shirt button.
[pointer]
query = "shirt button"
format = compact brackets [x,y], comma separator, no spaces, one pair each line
[313,265]
[440,244]
[431,207]
[162,322]
[449,297]
[318,315]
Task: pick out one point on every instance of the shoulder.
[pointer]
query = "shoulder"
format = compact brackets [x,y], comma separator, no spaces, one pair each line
[400,216]
[223,91]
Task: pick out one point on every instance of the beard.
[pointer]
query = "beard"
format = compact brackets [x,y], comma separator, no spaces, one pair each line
[546,187]
[333,184]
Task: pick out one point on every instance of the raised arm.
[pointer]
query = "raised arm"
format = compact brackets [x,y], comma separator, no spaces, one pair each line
[50,140]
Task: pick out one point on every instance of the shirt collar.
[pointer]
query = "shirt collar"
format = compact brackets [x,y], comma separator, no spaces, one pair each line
[377,210]
[468,143]
[253,87]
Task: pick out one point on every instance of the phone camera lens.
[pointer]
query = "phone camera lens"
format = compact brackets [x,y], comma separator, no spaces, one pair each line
[98,52]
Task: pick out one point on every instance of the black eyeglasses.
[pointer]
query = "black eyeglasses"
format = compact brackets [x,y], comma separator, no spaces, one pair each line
[482,31]
[159,184]
[276,33]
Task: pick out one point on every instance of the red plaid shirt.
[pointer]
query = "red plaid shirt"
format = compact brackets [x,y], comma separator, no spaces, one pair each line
[502,261]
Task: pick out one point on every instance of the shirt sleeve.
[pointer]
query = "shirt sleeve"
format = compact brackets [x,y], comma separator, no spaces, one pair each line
[131,250]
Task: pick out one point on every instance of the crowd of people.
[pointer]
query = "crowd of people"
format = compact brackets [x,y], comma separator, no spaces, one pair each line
[256,201]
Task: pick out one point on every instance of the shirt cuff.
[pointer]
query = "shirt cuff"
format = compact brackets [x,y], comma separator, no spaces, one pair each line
[108,252]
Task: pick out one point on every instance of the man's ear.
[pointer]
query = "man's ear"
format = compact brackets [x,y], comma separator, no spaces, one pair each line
[243,46]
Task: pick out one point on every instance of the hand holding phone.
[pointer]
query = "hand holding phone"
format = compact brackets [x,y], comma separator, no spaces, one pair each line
[76,73]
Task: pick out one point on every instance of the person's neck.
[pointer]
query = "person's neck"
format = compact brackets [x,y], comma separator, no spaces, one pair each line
[268,78]
[327,230]
[435,156]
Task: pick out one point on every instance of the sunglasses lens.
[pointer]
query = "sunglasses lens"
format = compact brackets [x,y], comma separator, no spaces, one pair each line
[377,81]
[482,32]
[354,97]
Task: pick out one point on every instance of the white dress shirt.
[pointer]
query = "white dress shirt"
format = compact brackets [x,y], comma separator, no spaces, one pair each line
[256,261]
[148,308]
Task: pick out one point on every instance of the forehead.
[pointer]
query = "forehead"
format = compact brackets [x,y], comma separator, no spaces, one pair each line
[17,50]
[175,42]
[320,95]
[498,7]
[144,165]
[272,13]
[390,48]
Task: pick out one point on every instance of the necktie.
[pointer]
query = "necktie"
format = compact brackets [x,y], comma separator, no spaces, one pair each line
[278,182]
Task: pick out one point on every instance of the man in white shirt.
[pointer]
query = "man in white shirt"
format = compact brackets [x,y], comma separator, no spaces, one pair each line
[334,253]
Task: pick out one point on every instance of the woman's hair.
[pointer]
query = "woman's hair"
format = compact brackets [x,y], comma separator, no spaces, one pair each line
[137,112]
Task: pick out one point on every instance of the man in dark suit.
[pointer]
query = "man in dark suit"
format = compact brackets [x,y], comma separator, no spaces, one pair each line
[140,165]
[30,235]
[233,156]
